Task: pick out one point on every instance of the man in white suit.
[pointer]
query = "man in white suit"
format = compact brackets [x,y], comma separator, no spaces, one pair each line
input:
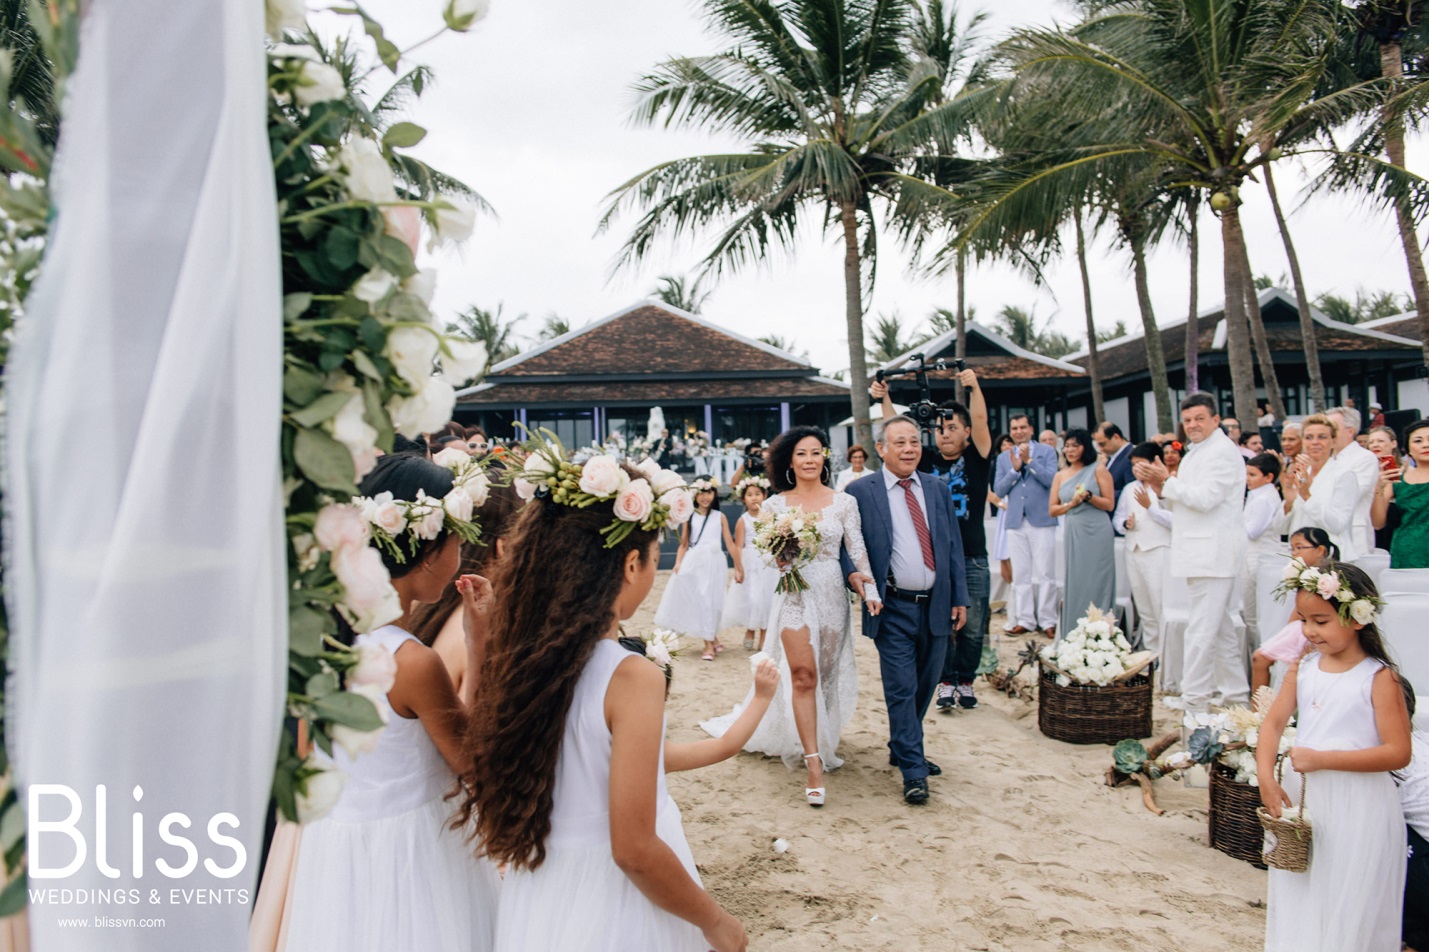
[1353,458]
[1208,544]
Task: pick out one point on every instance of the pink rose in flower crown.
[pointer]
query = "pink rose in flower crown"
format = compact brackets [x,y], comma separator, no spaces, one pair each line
[1327,586]
[427,516]
[458,505]
[634,502]
[681,505]
[602,476]
[387,515]
[340,526]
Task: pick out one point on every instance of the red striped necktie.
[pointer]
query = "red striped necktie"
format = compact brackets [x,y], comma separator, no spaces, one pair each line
[920,524]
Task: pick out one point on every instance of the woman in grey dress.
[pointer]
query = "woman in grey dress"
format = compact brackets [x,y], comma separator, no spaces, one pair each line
[1082,496]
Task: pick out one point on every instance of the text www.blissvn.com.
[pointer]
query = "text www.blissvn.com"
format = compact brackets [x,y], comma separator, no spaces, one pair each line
[106,922]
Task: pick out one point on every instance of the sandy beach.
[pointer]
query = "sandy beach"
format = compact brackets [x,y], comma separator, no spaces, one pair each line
[1021,848]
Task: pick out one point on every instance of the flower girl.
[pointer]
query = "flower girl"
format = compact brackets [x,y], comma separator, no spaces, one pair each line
[1353,729]
[566,742]
[694,597]
[748,602]
[384,870]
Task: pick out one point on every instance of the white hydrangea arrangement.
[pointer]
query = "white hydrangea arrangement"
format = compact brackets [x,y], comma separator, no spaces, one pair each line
[1095,652]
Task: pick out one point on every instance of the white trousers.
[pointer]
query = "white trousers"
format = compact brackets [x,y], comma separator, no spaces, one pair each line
[1215,671]
[1033,551]
[1146,571]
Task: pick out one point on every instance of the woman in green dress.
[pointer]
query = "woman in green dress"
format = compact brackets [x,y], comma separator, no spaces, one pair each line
[1406,488]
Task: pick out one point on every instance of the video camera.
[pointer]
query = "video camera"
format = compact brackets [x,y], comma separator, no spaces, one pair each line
[923,411]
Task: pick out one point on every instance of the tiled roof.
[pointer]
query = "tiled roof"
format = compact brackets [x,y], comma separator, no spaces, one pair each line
[649,338]
[993,356]
[1127,355]
[684,389]
[1400,325]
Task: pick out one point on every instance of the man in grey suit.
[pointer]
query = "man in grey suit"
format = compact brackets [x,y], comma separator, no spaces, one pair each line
[1023,478]
[916,554]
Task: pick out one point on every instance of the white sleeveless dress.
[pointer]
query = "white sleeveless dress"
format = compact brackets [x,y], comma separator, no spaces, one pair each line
[747,603]
[382,871]
[694,597]
[1351,896]
[824,609]
[579,900]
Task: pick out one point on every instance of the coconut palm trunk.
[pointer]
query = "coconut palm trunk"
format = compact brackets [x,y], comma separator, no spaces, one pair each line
[1302,302]
[1155,355]
[1093,361]
[1193,331]
[1391,65]
[1262,343]
[1238,347]
[853,318]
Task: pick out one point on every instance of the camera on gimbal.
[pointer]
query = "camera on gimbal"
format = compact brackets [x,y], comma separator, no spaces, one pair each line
[923,411]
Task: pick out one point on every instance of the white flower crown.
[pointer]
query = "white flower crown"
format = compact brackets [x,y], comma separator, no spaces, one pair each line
[705,484]
[1333,588]
[425,517]
[761,481]
[652,501]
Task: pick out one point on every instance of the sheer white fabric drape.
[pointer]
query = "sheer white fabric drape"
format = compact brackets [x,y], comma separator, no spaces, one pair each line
[144,509]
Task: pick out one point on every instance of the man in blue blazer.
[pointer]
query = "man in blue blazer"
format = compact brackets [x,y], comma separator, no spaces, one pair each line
[1023,477]
[1113,445]
[916,554]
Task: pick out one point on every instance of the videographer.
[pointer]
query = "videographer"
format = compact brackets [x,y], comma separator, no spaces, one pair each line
[962,463]
[756,460]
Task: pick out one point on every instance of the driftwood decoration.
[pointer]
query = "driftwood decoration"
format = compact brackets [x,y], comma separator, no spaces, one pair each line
[1007,681]
[1138,763]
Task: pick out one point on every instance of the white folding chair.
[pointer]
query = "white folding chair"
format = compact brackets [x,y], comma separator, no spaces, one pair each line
[1374,564]
[1125,610]
[1175,616]
[1402,626]
[1411,581]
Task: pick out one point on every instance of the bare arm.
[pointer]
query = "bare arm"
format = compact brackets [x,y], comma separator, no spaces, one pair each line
[634,709]
[1266,748]
[1383,496]
[977,409]
[684,544]
[702,753]
[1391,719]
[734,551]
[1105,498]
[423,689]
[1055,506]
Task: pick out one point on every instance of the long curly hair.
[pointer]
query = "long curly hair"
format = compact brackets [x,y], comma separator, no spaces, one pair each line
[477,558]
[781,456]
[555,593]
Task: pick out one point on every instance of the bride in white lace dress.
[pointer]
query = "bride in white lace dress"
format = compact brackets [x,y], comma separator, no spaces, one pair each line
[818,683]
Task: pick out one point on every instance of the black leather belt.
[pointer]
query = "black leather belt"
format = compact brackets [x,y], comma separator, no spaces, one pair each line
[908,596]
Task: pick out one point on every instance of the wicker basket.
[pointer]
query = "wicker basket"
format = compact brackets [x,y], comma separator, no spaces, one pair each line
[1087,714]
[1235,827]
[1287,841]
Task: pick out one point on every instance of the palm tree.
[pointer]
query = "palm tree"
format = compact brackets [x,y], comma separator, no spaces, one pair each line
[1302,303]
[554,326]
[30,95]
[1197,89]
[832,100]
[488,327]
[888,342]
[674,291]
[1094,369]
[785,344]
[1020,327]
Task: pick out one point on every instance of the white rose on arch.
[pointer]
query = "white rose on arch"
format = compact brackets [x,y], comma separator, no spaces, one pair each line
[376,667]
[318,82]
[350,428]
[426,411]
[282,15]
[368,595]
[463,360]
[369,177]
[319,791]
[461,15]
[412,351]
[423,285]
[455,221]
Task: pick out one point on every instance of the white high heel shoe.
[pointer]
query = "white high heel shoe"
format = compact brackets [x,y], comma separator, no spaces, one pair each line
[815,795]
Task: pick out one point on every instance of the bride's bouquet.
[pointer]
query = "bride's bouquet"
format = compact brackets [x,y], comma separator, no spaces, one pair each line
[790,539]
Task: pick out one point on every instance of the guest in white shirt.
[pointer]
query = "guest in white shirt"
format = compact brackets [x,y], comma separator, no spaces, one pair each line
[1320,492]
[1354,458]
[857,458]
[1264,520]
[1147,526]
[1208,543]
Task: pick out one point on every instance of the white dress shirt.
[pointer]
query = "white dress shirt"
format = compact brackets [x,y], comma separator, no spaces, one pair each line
[1365,467]
[1414,788]
[908,569]
[1152,527]
[1263,515]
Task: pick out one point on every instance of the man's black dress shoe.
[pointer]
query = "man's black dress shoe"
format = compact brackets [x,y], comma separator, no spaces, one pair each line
[933,769]
[915,791]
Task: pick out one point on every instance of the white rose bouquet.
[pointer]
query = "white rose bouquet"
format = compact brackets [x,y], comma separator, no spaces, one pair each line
[789,539]
[1095,652]
[1229,738]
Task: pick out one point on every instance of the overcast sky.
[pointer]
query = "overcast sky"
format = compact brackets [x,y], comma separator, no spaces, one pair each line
[531,107]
